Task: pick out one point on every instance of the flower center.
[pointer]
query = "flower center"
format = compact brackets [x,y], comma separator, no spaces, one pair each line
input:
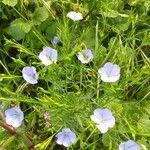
[34,75]
[66,133]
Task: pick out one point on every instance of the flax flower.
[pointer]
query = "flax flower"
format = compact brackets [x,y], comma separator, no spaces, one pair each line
[48,56]
[30,74]
[109,72]
[14,117]
[129,145]
[85,56]
[66,137]
[103,119]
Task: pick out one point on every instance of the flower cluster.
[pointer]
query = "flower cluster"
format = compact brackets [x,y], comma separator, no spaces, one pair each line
[103,118]
[47,119]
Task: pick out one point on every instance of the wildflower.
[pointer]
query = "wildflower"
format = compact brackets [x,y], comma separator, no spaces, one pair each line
[47,124]
[47,119]
[46,116]
[14,117]
[48,56]
[104,119]
[55,40]
[129,145]
[66,137]
[30,74]
[109,72]
[75,16]
[85,56]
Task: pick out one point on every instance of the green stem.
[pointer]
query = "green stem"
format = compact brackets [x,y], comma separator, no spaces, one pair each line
[98,82]
[81,76]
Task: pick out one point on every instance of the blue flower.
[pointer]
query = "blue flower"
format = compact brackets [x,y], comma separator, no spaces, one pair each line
[129,145]
[104,119]
[85,56]
[30,74]
[55,40]
[48,56]
[66,137]
[14,117]
[109,72]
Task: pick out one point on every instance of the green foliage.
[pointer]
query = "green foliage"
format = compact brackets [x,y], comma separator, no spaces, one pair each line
[116,31]
[39,15]
[10,2]
[18,28]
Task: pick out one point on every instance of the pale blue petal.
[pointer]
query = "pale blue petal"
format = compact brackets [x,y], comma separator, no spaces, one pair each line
[115,70]
[55,40]
[106,114]
[60,138]
[129,145]
[67,142]
[72,137]
[108,67]
[86,56]
[66,130]
[97,117]
[48,56]
[102,127]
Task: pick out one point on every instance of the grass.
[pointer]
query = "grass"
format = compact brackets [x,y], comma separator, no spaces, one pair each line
[117,31]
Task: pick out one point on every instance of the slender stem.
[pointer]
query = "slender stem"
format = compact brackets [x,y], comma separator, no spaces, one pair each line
[96,37]
[81,76]
[21,88]
[98,82]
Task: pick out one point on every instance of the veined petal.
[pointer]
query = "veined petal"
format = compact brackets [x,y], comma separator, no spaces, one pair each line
[109,72]
[129,145]
[102,127]
[66,137]
[29,74]
[85,56]
[104,119]
[48,56]
[60,138]
[14,117]
[67,142]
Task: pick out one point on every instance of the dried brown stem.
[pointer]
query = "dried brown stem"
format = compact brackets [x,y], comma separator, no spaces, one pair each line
[11,130]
